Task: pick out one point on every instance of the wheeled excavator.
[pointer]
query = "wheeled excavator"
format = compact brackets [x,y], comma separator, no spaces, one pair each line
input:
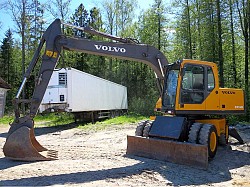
[186,133]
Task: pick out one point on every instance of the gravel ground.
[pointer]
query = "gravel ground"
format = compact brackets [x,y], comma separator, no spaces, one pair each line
[99,159]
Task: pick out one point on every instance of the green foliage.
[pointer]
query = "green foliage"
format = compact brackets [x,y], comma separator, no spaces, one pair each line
[144,106]
[152,24]
[235,119]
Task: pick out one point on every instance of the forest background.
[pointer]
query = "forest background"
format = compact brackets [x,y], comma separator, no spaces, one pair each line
[211,30]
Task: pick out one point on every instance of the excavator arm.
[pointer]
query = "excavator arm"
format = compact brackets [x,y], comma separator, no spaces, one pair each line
[21,135]
[55,41]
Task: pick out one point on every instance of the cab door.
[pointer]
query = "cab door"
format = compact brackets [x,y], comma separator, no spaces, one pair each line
[212,100]
[197,89]
[192,88]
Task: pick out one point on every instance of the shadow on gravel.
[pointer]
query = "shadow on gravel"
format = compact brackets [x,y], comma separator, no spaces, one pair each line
[218,169]
[7,163]
[45,130]
[173,174]
[76,178]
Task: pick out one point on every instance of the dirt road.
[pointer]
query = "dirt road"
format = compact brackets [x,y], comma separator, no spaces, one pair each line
[99,159]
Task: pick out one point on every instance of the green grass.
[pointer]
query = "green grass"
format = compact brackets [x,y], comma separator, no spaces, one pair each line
[54,119]
[49,120]
[6,120]
[117,121]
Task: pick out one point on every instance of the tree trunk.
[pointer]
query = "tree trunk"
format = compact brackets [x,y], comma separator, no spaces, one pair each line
[220,52]
[189,31]
[247,52]
[159,25]
[233,44]
[23,47]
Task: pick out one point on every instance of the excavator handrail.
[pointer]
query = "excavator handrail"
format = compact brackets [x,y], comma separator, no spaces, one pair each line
[92,31]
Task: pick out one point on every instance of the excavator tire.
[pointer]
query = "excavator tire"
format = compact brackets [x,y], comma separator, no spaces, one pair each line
[22,145]
[140,128]
[194,132]
[208,136]
[147,128]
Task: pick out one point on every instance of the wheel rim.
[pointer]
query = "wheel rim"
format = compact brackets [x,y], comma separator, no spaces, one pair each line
[213,141]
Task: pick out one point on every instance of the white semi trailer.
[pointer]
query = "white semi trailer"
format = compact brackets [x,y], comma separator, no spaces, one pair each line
[86,96]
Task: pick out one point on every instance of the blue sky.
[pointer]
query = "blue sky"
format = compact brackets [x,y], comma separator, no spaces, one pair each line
[7,22]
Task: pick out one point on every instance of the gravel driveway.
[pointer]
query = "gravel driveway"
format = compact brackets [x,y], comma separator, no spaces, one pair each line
[89,158]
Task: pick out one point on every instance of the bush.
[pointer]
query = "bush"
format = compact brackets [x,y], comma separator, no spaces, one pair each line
[144,106]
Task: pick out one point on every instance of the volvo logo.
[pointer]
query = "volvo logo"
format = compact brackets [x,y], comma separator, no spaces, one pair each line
[110,48]
[228,92]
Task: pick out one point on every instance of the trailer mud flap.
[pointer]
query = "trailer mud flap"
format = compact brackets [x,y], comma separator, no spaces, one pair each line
[166,150]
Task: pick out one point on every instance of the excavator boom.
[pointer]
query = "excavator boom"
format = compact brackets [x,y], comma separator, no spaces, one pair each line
[21,143]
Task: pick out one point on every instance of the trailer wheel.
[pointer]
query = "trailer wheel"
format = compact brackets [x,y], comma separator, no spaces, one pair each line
[147,128]
[194,132]
[140,127]
[208,136]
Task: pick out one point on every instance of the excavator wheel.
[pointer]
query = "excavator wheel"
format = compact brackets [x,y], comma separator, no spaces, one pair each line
[147,128]
[140,128]
[22,145]
[194,132]
[208,136]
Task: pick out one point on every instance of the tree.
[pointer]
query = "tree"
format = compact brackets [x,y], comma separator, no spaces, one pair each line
[59,9]
[234,71]
[7,64]
[220,51]
[244,15]
[37,22]
[3,5]
[19,11]
[6,57]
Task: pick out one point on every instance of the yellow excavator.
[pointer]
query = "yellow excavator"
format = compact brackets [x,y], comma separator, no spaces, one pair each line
[186,133]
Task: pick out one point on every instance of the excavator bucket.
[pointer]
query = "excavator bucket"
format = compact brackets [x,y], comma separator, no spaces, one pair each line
[166,150]
[22,145]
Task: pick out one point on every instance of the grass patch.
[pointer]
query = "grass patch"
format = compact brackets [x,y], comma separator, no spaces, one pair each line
[57,119]
[6,120]
[121,120]
[50,120]
[53,119]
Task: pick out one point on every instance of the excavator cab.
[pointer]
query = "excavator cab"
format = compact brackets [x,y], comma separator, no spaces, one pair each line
[191,87]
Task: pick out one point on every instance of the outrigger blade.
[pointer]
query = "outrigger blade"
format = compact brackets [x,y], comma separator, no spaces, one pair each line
[22,145]
[167,150]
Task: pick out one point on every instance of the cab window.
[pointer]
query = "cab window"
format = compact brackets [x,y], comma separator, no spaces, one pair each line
[211,81]
[192,91]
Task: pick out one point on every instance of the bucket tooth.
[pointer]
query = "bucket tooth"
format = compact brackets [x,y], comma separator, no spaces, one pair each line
[22,145]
